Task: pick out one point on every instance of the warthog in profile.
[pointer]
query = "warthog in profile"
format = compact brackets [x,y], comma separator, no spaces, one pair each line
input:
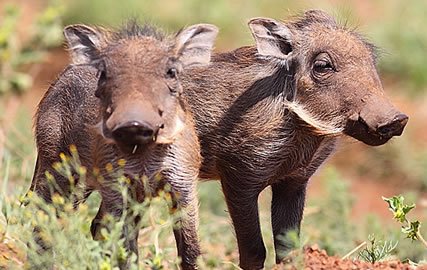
[122,100]
[270,115]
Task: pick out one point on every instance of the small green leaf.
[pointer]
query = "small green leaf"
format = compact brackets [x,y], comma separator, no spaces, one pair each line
[398,208]
[407,208]
[411,230]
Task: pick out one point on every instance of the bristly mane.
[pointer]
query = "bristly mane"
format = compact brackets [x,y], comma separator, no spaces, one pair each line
[133,29]
[308,18]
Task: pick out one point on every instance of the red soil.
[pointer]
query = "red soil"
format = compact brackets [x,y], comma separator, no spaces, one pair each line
[317,259]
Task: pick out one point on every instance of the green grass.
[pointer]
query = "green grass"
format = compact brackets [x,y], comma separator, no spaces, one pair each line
[66,229]
[327,223]
[404,43]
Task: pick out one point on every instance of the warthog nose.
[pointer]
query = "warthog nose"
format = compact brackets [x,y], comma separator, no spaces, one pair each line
[134,133]
[395,127]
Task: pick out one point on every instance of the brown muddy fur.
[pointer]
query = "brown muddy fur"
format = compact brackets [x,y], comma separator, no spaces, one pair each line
[128,71]
[272,120]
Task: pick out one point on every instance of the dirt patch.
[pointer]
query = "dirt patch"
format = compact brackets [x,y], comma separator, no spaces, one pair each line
[317,259]
[314,259]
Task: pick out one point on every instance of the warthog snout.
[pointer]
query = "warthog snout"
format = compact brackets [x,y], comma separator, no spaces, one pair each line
[377,122]
[135,133]
[133,123]
[369,128]
[394,127]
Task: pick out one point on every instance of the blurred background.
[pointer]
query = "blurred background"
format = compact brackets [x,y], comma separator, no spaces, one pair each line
[344,202]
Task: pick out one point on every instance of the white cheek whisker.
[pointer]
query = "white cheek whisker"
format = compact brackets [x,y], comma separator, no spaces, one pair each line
[315,122]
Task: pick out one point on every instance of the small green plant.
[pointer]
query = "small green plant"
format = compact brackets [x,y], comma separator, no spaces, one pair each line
[64,226]
[376,250]
[399,209]
[322,226]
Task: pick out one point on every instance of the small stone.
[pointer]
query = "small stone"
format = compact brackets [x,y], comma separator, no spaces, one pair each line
[315,247]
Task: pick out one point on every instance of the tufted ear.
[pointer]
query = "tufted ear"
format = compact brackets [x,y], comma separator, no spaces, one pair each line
[83,42]
[272,38]
[193,45]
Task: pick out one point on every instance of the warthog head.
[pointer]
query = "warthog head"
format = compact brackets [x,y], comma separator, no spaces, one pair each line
[333,82]
[138,78]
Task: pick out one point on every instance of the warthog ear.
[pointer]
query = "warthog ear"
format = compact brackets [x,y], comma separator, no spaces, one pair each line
[193,45]
[84,42]
[272,38]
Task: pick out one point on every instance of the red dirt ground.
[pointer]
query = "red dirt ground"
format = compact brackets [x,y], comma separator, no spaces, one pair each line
[317,259]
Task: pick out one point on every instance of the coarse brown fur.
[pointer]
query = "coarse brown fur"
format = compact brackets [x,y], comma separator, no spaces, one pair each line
[126,81]
[270,115]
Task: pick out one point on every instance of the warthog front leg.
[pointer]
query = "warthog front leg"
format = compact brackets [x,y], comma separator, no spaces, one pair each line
[243,207]
[185,232]
[287,208]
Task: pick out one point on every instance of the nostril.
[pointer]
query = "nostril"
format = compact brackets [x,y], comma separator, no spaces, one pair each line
[385,130]
[395,127]
[134,133]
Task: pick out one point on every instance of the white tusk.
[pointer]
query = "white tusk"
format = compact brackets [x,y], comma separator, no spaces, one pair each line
[134,149]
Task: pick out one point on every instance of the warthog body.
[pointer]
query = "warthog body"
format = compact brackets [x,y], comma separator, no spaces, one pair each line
[270,115]
[122,100]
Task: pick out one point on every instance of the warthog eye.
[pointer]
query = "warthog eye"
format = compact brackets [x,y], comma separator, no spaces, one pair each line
[101,83]
[322,64]
[171,73]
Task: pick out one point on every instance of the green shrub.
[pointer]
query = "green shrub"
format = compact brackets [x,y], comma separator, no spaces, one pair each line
[65,228]
[377,250]
[14,55]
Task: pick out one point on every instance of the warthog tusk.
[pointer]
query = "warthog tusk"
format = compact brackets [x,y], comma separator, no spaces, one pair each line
[134,149]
